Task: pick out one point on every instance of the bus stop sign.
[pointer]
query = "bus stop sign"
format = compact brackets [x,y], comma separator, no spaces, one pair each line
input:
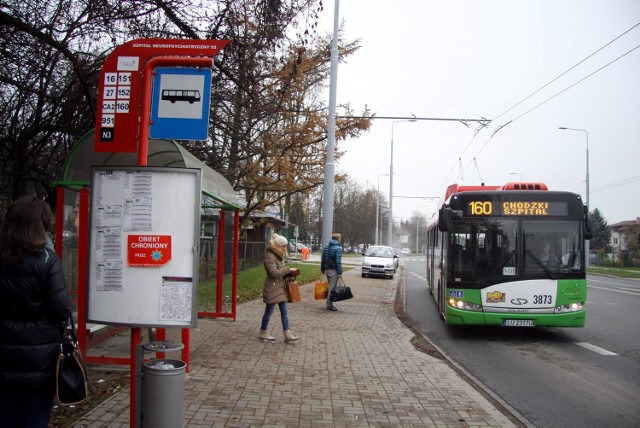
[120,88]
[180,103]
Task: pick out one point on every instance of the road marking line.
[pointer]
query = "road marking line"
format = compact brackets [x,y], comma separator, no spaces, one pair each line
[610,282]
[595,348]
[613,289]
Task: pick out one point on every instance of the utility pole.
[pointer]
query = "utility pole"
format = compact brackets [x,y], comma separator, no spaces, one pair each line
[329,170]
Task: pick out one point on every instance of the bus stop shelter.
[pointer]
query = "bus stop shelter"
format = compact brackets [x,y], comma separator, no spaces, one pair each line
[219,201]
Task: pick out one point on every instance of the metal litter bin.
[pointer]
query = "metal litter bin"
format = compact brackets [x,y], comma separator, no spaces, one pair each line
[163,381]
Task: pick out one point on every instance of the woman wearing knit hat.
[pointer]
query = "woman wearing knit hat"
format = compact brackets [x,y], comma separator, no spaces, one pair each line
[274,291]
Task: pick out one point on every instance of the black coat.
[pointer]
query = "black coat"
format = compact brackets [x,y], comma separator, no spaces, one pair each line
[34,304]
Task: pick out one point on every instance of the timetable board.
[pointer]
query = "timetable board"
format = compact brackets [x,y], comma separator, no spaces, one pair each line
[143,246]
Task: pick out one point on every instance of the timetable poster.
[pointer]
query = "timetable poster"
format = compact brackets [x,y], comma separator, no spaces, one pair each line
[123,204]
[176,298]
[144,237]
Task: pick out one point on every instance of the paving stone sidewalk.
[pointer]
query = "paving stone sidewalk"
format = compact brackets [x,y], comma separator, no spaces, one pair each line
[350,368]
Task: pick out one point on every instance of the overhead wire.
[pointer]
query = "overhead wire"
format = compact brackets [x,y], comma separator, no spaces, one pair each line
[474,161]
[562,74]
[562,91]
[362,70]
[615,184]
[359,70]
[552,97]
[576,83]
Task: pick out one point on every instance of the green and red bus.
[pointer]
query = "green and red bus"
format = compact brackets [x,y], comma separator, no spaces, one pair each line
[511,256]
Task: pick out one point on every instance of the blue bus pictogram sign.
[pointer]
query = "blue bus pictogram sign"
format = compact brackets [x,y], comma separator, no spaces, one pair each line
[180,103]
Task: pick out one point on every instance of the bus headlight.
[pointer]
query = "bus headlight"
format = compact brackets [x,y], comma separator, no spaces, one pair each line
[467,306]
[571,307]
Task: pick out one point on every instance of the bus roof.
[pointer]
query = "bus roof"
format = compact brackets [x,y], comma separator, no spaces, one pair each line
[456,188]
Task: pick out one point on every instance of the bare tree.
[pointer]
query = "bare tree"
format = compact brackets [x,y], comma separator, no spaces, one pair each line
[268,120]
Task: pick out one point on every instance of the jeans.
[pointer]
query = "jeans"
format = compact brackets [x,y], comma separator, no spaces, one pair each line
[332,279]
[25,409]
[268,311]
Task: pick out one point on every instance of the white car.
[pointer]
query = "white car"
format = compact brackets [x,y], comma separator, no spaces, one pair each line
[379,260]
[405,251]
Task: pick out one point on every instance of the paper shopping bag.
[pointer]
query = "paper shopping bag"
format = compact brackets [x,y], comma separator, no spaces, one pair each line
[293,291]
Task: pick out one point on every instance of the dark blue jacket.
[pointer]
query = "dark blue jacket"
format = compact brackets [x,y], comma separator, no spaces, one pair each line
[34,304]
[332,252]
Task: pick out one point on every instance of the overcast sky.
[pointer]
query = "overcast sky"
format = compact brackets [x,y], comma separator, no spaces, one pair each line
[473,59]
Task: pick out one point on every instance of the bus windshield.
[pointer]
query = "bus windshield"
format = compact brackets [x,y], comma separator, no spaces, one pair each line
[494,250]
[551,246]
[480,247]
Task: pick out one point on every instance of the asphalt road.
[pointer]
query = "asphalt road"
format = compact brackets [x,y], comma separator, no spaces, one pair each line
[553,377]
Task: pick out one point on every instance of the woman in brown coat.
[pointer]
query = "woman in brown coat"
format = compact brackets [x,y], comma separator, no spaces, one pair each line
[274,291]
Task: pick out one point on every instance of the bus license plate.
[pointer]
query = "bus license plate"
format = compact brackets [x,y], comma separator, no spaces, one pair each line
[519,323]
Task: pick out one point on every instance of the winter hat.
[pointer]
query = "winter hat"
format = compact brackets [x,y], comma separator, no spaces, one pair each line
[279,240]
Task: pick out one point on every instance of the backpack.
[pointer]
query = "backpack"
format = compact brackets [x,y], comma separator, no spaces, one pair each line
[331,259]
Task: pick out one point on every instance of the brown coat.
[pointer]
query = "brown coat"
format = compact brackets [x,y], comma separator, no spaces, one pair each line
[274,284]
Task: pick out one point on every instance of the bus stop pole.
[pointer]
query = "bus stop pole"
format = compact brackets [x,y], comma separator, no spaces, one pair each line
[147,85]
[143,153]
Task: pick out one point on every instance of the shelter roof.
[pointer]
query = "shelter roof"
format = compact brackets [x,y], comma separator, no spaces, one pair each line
[164,153]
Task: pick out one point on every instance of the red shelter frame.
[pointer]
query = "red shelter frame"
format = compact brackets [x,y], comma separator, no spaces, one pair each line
[150,52]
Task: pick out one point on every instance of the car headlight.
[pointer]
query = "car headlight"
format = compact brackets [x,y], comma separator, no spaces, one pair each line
[366,263]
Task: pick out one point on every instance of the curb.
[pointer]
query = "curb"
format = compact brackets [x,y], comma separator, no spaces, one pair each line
[502,405]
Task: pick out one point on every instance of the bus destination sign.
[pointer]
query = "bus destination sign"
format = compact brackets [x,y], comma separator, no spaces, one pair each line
[516,208]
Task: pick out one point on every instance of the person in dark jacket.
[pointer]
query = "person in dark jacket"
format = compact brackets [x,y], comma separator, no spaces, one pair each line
[34,305]
[331,265]
[274,291]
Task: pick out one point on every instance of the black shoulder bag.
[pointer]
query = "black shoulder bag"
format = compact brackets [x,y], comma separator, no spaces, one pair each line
[341,291]
[71,375]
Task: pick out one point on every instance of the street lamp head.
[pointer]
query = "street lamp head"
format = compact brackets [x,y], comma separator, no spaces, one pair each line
[574,129]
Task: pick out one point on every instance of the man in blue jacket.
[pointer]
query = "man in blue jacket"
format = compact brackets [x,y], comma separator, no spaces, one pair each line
[331,265]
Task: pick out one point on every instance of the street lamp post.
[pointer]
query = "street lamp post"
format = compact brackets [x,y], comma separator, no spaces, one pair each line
[417,234]
[418,225]
[516,173]
[587,245]
[390,225]
[378,209]
[329,170]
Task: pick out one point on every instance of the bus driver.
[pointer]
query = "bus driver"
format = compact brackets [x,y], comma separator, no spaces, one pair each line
[547,257]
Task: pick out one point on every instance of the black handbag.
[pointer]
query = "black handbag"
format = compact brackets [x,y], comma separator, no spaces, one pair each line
[341,291]
[71,375]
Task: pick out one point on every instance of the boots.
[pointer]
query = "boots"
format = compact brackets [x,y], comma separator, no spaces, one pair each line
[288,337]
[264,335]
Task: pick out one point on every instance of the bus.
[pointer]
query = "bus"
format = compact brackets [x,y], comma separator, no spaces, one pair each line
[511,256]
[173,95]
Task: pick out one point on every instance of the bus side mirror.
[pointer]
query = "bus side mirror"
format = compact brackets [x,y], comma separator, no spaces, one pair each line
[446,216]
[588,232]
[443,218]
